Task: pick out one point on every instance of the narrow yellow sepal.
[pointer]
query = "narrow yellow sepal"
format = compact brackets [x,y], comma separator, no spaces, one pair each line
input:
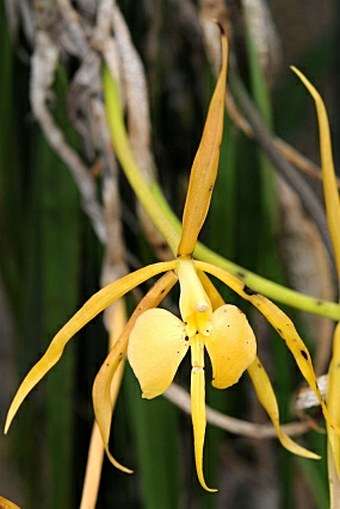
[205,165]
[231,345]
[95,305]
[101,391]
[328,173]
[333,398]
[115,321]
[266,397]
[283,325]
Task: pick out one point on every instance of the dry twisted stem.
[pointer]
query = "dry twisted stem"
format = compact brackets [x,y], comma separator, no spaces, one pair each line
[181,398]
[44,62]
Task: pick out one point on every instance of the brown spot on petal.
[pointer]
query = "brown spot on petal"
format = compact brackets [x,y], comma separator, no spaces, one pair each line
[249,291]
[304,354]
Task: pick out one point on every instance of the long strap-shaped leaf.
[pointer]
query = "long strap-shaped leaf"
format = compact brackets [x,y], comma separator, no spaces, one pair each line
[332,203]
[205,165]
[328,174]
[333,397]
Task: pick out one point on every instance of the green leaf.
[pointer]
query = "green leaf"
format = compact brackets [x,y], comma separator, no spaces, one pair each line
[155,431]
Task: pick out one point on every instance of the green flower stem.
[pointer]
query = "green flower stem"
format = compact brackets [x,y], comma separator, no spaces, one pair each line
[127,160]
[270,289]
[155,204]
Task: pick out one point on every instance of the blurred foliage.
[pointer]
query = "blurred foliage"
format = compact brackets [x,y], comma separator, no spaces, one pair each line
[50,262]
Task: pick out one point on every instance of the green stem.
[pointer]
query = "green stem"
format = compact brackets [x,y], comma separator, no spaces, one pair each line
[270,289]
[127,160]
[155,204]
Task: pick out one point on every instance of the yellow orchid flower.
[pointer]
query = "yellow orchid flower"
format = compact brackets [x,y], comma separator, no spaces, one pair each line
[156,341]
[159,341]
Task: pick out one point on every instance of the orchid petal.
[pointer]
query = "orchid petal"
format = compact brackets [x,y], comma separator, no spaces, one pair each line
[103,402]
[214,296]
[231,345]
[156,348]
[283,325]
[330,186]
[101,392]
[205,165]
[97,303]
[333,399]
[266,397]
[198,413]
[115,320]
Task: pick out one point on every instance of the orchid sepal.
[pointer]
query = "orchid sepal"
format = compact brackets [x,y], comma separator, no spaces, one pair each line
[204,169]
[266,396]
[101,391]
[95,305]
